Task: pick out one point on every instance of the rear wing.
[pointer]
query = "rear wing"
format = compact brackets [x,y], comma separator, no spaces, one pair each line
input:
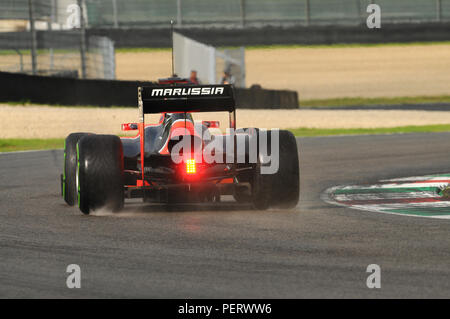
[183,98]
[186,98]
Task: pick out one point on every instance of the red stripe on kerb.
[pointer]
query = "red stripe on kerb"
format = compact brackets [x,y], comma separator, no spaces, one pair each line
[430,181]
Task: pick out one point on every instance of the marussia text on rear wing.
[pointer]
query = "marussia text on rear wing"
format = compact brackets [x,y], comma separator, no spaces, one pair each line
[186,98]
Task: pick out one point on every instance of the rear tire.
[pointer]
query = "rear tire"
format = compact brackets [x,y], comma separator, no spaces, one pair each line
[69,190]
[100,176]
[285,183]
[281,189]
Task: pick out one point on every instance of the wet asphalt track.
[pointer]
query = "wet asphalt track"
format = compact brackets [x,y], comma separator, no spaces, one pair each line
[154,251]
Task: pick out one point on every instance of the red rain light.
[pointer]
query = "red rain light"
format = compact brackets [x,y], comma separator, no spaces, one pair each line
[190,166]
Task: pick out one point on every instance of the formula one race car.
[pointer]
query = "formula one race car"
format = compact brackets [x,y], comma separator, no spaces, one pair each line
[179,160]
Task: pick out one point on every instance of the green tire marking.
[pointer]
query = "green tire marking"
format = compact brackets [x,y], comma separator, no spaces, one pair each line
[64,172]
[78,174]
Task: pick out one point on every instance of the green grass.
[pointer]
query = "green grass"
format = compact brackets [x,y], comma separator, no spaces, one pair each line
[302,46]
[17,103]
[251,47]
[10,145]
[140,50]
[16,144]
[344,45]
[39,51]
[28,103]
[310,132]
[316,103]
[361,101]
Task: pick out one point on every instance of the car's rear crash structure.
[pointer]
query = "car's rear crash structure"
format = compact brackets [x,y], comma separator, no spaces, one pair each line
[104,170]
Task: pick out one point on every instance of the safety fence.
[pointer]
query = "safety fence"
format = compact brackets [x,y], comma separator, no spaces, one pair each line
[144,13]
[147,13]
[60,50]
[57,53]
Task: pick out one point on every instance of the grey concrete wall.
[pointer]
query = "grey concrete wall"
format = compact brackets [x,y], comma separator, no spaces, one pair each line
[280,35]
[160,37]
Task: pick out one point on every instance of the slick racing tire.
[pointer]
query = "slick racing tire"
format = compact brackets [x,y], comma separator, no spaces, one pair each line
[68,183]
[100,176]
[285,184]
[260,190]
[281,189]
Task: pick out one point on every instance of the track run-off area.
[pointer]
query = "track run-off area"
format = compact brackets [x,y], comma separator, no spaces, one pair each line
[230,251]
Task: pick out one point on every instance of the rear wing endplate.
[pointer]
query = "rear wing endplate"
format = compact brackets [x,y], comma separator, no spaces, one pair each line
[186,98]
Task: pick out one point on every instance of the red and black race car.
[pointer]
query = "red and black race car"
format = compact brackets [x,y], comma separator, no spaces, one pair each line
[179,160]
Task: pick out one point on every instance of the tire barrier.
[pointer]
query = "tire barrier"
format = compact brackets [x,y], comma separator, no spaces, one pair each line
[17,87]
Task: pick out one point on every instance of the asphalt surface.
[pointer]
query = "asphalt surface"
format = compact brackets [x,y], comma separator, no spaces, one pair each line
[317,250]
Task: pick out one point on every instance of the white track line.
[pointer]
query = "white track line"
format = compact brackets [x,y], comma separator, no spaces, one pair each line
[30,151]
